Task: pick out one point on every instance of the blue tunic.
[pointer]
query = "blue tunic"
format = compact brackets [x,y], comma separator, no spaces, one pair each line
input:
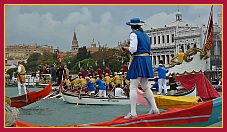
[101,84]
[90,86]
[141,66]
[161,72]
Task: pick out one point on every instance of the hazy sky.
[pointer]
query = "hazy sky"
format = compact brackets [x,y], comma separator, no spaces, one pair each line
[54,25]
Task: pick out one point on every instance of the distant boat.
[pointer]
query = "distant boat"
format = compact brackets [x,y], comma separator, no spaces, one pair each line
[30,97]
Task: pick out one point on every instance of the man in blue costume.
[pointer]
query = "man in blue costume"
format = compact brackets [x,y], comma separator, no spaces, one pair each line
[91,87]
[140,67]
[161,78]
[102,87]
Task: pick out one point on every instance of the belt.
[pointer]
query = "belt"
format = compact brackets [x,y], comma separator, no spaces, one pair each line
[131,57]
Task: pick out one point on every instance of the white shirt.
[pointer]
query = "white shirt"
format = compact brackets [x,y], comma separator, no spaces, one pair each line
[133,43]
[19,69]
[119,92]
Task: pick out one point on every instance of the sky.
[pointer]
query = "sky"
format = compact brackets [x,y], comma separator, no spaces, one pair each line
[54,25]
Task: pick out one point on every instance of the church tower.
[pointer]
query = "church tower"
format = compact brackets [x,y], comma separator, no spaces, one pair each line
[75,46]
[178,16]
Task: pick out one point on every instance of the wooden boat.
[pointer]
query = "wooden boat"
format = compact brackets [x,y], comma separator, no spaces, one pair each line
[30,97]
[191,92]
[163,102]
[201,114]
[77,99]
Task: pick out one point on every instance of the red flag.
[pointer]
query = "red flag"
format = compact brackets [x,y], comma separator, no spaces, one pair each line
[209,33]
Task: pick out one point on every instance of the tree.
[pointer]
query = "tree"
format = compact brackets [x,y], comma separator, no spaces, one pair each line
[11,71]
[37,59]
[84,64]
[111,56]
[33,61]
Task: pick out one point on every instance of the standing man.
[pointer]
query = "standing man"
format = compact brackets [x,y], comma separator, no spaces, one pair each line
[161,78]
[107,70]
[90,71]
[53,74]
[180,56]
[66,72]
[99,71]
[60,73]
[21,77]
[140,67]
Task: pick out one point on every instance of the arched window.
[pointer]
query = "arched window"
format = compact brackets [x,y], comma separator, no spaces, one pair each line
[194,46]
[182,47]
[188,46]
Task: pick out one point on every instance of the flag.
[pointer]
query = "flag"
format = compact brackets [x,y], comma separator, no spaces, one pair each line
[209,39]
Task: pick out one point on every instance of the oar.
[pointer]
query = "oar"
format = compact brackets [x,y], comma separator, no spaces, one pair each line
[110,92]
[79,96]
[50,94]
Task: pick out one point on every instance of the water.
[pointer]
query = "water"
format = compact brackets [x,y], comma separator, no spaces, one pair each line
[56,112]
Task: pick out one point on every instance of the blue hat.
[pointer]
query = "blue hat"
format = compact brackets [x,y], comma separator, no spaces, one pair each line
[135,21]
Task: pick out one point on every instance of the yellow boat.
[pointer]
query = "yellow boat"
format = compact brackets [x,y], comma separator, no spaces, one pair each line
[166,102]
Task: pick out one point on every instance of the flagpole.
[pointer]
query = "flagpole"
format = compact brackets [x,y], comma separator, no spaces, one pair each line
[211,16]
[208,41]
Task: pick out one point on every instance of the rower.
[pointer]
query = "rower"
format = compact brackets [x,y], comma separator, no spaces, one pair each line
[91,87]
[102,87]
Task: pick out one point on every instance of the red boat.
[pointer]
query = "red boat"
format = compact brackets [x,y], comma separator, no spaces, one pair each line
[30,97]
[201,114]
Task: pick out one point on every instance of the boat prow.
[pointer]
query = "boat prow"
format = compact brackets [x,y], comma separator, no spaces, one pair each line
[30,97]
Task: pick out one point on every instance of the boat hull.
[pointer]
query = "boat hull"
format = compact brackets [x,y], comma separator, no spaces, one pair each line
[76,99]
[30,97]
[202,114]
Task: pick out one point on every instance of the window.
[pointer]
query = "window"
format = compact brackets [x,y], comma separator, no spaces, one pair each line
[167,38]
[188,46]
[163,39]
[150,40]
[154,40]
[172,38]
[182,47]
[158,39]
[194,46]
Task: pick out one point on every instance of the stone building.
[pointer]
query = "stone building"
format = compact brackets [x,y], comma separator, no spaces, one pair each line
[166,41]
[23,51]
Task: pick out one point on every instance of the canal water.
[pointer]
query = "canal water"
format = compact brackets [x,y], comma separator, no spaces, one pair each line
[56,112]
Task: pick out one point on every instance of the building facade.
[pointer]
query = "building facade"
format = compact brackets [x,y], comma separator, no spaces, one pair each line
[23,51]
[166,41]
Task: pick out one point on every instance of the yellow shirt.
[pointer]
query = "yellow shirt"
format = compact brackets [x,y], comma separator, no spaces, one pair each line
[107,80]
[93,80]
[117,79]
[127,82]
[67,82]
[83,82]
[76,82]
[21,74]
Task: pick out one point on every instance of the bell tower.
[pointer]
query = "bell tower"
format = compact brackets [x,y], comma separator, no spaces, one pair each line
[178,16]
[74,46]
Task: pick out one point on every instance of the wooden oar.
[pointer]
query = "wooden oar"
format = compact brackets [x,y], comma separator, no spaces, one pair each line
[110,92]
[79,96]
